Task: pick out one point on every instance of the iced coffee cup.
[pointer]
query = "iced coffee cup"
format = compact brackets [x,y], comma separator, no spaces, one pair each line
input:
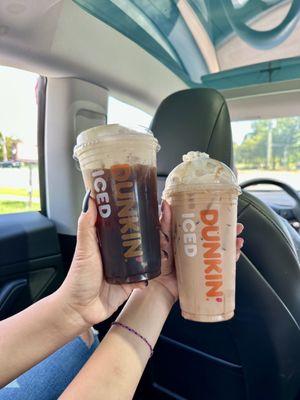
[118,164]
[203,196]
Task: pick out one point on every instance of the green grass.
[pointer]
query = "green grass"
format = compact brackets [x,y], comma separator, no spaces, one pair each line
[18,191]
[7,207]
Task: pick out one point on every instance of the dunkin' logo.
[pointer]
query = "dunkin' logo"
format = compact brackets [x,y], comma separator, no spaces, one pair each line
[128,215]
[212,257]
[123,189]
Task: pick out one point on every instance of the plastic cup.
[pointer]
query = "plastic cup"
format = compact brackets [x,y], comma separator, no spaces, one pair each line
[118,164]
[203,196]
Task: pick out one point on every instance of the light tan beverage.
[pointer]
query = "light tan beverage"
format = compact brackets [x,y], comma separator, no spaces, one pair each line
[203,196]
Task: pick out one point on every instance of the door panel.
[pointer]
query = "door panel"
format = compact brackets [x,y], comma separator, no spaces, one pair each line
[30,261]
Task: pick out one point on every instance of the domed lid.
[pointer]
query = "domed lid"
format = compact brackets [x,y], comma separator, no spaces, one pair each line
[198,169]
[112,132]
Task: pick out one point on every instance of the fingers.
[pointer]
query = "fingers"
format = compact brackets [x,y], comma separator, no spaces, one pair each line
[165,239]
[239,245]
[239,240]
[86,232]
[239,228]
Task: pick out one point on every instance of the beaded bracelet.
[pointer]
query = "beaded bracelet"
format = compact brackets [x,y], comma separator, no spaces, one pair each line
[116,323]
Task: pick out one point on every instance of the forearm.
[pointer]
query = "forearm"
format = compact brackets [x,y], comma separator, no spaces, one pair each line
[31,335]
[114,370]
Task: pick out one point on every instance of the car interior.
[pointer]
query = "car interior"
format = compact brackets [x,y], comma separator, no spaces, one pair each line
[211,76]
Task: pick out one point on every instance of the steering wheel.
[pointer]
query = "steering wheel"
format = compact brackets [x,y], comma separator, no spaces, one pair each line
[287,188]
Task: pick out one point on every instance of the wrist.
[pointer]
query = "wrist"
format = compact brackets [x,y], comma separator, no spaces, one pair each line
[155,294]
[65,319]
[162,291]
[145,312]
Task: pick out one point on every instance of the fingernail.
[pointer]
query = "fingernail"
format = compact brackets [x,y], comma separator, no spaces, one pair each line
[164,254]
[165,236]
[242,242]
[85,203]
[162,206]
[146,283]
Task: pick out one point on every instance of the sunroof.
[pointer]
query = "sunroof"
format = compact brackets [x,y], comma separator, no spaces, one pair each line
[196,38]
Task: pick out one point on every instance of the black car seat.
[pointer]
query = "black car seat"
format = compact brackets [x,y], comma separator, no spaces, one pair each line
[256,355]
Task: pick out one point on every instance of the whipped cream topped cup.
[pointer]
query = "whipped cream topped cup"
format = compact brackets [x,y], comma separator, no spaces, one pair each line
[203,196]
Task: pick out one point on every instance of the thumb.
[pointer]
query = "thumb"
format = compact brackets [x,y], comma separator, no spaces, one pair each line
[86,231]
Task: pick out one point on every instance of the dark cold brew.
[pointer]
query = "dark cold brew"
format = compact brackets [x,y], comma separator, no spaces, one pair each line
[127,223]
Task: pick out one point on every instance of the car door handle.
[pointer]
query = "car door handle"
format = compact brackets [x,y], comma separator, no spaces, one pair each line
[9,293]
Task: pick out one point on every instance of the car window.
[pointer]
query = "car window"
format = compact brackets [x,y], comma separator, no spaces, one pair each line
[19,182]
[198,38]
[268,148]
[125,114]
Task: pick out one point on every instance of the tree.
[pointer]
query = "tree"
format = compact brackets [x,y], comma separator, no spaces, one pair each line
[286,141]
[284,138]
[8,146]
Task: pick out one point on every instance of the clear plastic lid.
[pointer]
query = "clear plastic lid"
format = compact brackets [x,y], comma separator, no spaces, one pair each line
[112,132]
[198,169]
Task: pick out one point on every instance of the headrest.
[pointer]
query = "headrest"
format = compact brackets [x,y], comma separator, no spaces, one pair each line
[193,119]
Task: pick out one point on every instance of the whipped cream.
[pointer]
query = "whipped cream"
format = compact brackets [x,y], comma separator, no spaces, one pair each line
[199,169]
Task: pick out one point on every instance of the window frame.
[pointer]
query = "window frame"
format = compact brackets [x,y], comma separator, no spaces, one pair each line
[41,89]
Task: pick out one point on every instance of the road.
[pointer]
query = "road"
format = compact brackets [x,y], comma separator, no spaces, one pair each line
[292,178]
[18,177]
[12,197]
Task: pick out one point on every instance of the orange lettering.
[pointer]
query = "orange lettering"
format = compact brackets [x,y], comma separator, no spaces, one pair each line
[209,229]
[212,258]
[121,172]
[128,209]
[127,213]
[213,266]
[213,277]
[133,250]
[130,223]
[209,217]
[211,253]
[121,194]
[215,285]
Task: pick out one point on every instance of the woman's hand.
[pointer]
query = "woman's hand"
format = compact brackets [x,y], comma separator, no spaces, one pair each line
[87,297]
[239,240]
[168,276]
[86,293]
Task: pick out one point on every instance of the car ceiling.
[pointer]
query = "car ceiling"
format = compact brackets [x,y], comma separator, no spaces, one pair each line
[57,38]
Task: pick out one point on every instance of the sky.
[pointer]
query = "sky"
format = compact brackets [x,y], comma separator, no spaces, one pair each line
[239,130]
[128,115]
[124,114]
[18,109]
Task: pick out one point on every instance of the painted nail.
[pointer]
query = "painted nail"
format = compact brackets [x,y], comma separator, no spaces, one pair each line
[85,203]
[165,235]
[165,254]
[146,283]
[162,206]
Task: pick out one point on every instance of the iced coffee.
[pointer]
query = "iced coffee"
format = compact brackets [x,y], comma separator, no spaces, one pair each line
[203,196]
[119,166]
